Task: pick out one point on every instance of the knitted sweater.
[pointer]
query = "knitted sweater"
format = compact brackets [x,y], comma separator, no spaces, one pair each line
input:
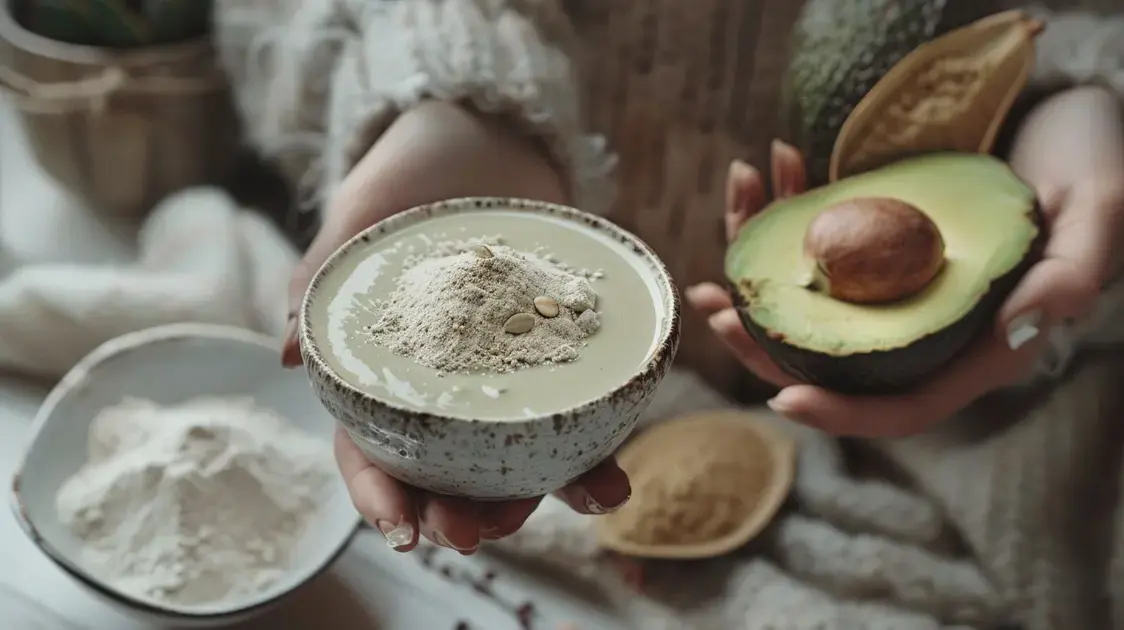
[643,104]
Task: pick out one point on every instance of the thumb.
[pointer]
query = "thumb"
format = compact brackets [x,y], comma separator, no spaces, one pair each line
[337,229]
[1053,291]
[1065,284]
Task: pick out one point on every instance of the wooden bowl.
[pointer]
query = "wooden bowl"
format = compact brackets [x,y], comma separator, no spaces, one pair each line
[671,462]
[120,129]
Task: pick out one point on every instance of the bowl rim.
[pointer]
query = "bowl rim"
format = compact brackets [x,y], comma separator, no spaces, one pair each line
[76,376]
[655,366]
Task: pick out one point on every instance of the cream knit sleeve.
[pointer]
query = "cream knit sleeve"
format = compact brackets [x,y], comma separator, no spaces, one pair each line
[319,82]
[1080,47]
[1083,48]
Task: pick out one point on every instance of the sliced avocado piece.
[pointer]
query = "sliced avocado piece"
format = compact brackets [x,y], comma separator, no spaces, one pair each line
[988,230]
[841,48]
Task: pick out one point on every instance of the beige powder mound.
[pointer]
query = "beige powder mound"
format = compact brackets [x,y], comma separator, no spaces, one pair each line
[449,311]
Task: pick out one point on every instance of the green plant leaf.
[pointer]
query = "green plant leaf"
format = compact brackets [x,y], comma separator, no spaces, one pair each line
[178,20]
[116,23]
[67,21]
[118,26]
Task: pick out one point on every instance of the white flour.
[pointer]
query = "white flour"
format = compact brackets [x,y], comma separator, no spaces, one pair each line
[193,504]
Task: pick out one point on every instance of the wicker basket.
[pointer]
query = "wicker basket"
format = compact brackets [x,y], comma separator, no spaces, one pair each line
[120,129]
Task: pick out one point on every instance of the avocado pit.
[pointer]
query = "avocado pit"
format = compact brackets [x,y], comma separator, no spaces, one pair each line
[873,250]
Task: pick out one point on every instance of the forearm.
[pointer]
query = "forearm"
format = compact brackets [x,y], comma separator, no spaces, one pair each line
[1074,136]
[1069,109]
[481,155]
[325,82]
[1071,148]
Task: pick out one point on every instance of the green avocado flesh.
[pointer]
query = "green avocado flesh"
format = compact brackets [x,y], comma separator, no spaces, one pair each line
[986,215]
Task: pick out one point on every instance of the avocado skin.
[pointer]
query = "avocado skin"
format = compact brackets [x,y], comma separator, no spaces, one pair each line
[896,371]
[842,48]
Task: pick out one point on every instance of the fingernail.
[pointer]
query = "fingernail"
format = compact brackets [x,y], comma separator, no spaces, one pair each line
[781,408]
[739,173]
[737,167]
[397,536]
[490,533]
[714,320]
[290,348]
[594,507]
[1023,329]
[691,292]
[442,540]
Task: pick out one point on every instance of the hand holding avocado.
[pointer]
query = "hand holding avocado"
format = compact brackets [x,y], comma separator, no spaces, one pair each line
[1081,213]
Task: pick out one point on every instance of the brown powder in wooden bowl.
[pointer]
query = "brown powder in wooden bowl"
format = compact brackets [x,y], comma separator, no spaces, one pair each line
[702,485]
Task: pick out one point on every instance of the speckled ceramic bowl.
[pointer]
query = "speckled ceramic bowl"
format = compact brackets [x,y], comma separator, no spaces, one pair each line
[168,365]
[486,459]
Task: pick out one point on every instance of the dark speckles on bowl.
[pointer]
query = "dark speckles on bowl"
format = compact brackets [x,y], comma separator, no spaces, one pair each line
[491,460]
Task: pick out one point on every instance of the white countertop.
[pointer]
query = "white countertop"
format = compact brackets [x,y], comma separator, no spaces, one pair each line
[370,587]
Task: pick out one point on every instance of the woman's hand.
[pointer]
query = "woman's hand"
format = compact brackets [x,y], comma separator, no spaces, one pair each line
[433,152]
[1071,149]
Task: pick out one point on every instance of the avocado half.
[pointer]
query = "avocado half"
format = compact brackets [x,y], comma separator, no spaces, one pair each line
[991,227]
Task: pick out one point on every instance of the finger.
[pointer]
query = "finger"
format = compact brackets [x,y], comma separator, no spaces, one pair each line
[727,325]
[331,236]
[789,177]
[382,500]
[499,520]
[1067,281]
[1051,198]
[290,344]
[451,522]
[602,490]
[1053,290]
[708,298]
[344,219]
[989,365]
[849,416]
[745,196]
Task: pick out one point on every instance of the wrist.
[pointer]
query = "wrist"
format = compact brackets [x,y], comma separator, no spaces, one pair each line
[521,161]
[1070,137]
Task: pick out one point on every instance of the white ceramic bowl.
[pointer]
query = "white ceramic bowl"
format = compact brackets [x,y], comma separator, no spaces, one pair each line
[170,364]
[493,460]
